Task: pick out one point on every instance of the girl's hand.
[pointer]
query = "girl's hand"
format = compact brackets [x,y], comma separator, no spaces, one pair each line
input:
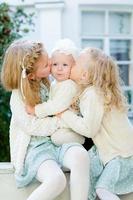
[59,114]
[30,110]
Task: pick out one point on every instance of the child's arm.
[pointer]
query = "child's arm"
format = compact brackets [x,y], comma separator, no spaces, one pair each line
[30,124]
[60,102]
[90,123]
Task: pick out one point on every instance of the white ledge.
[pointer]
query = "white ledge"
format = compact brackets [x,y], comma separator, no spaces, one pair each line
[6,168]
[9,191]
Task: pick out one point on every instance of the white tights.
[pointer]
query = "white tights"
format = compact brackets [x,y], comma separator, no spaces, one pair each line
[53,179]
[104,194]
[77,160]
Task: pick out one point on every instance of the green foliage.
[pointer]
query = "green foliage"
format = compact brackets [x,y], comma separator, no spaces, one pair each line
[13,24]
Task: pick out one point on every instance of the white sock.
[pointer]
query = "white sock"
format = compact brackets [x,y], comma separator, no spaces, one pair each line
[53,182]
[104,194]
[77,160]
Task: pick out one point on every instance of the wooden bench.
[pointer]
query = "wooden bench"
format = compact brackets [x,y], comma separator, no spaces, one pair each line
[9,191]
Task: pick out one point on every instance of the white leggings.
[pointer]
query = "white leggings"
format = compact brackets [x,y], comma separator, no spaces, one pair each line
[104,194]
[77,160]
[53,180]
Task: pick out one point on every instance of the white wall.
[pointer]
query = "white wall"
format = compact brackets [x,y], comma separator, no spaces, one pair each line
[49,22]
[47,19]
[60,18]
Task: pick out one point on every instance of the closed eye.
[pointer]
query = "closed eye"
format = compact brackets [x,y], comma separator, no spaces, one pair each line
[54,64]
[65,65]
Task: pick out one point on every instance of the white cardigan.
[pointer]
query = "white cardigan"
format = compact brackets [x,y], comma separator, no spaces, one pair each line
[111,132]
[60,98]
[22,126]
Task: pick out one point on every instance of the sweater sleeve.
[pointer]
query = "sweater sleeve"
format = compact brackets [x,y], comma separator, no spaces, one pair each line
[89,124]
[59,102]
[29,124]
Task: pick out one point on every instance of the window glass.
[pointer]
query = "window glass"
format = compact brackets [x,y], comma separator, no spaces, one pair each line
[120,49]
[92,23]
[119,23]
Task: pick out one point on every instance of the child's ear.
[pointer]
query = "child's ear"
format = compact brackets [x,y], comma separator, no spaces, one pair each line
[31,76]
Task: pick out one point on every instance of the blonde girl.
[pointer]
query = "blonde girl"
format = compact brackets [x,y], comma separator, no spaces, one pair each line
[25,72]
[104,119]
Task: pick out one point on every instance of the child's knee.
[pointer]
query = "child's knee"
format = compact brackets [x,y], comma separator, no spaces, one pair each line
[79,156]
[59,181]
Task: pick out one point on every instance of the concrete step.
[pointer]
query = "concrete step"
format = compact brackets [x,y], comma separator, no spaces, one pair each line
[9,191]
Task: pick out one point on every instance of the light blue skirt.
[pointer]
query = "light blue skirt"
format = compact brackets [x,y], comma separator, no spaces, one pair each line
[116,176]
[40,149]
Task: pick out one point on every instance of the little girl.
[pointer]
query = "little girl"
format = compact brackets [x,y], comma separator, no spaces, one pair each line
[24,72]
[62,90]
[104,119]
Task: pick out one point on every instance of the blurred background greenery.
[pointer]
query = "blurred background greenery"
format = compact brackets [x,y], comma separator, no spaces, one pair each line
[14,23]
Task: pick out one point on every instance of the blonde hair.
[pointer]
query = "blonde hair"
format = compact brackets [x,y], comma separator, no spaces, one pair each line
[21,56]
[103,74]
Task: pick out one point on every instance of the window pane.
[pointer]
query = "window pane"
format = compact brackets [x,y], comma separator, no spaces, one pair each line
[119,23]
[92,23]
[129,95]
[120,49]
[92,43]
[124,72]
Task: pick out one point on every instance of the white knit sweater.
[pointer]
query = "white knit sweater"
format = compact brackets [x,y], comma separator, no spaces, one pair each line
[22,126]
[111,132]
[60,98]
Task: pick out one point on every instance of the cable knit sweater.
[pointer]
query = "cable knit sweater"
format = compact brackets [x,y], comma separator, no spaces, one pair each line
[23,126]
[111,132]
[60,98]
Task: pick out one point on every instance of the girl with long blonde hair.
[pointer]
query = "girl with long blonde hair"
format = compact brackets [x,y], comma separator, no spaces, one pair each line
[25,72]
[103,118]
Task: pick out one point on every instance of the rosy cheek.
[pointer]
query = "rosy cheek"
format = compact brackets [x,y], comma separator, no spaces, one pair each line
[73,70]
[48,68]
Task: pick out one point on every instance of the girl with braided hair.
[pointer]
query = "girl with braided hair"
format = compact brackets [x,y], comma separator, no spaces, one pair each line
[25,72]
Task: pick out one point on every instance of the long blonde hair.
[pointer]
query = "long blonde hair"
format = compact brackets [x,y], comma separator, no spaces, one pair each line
[103,74]
[21,56]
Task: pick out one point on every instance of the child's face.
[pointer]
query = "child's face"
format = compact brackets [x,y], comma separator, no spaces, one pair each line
[42,67]
[61,65]
[79,70]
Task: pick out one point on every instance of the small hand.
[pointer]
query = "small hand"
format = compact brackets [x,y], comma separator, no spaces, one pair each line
[60,114]
[30,109]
